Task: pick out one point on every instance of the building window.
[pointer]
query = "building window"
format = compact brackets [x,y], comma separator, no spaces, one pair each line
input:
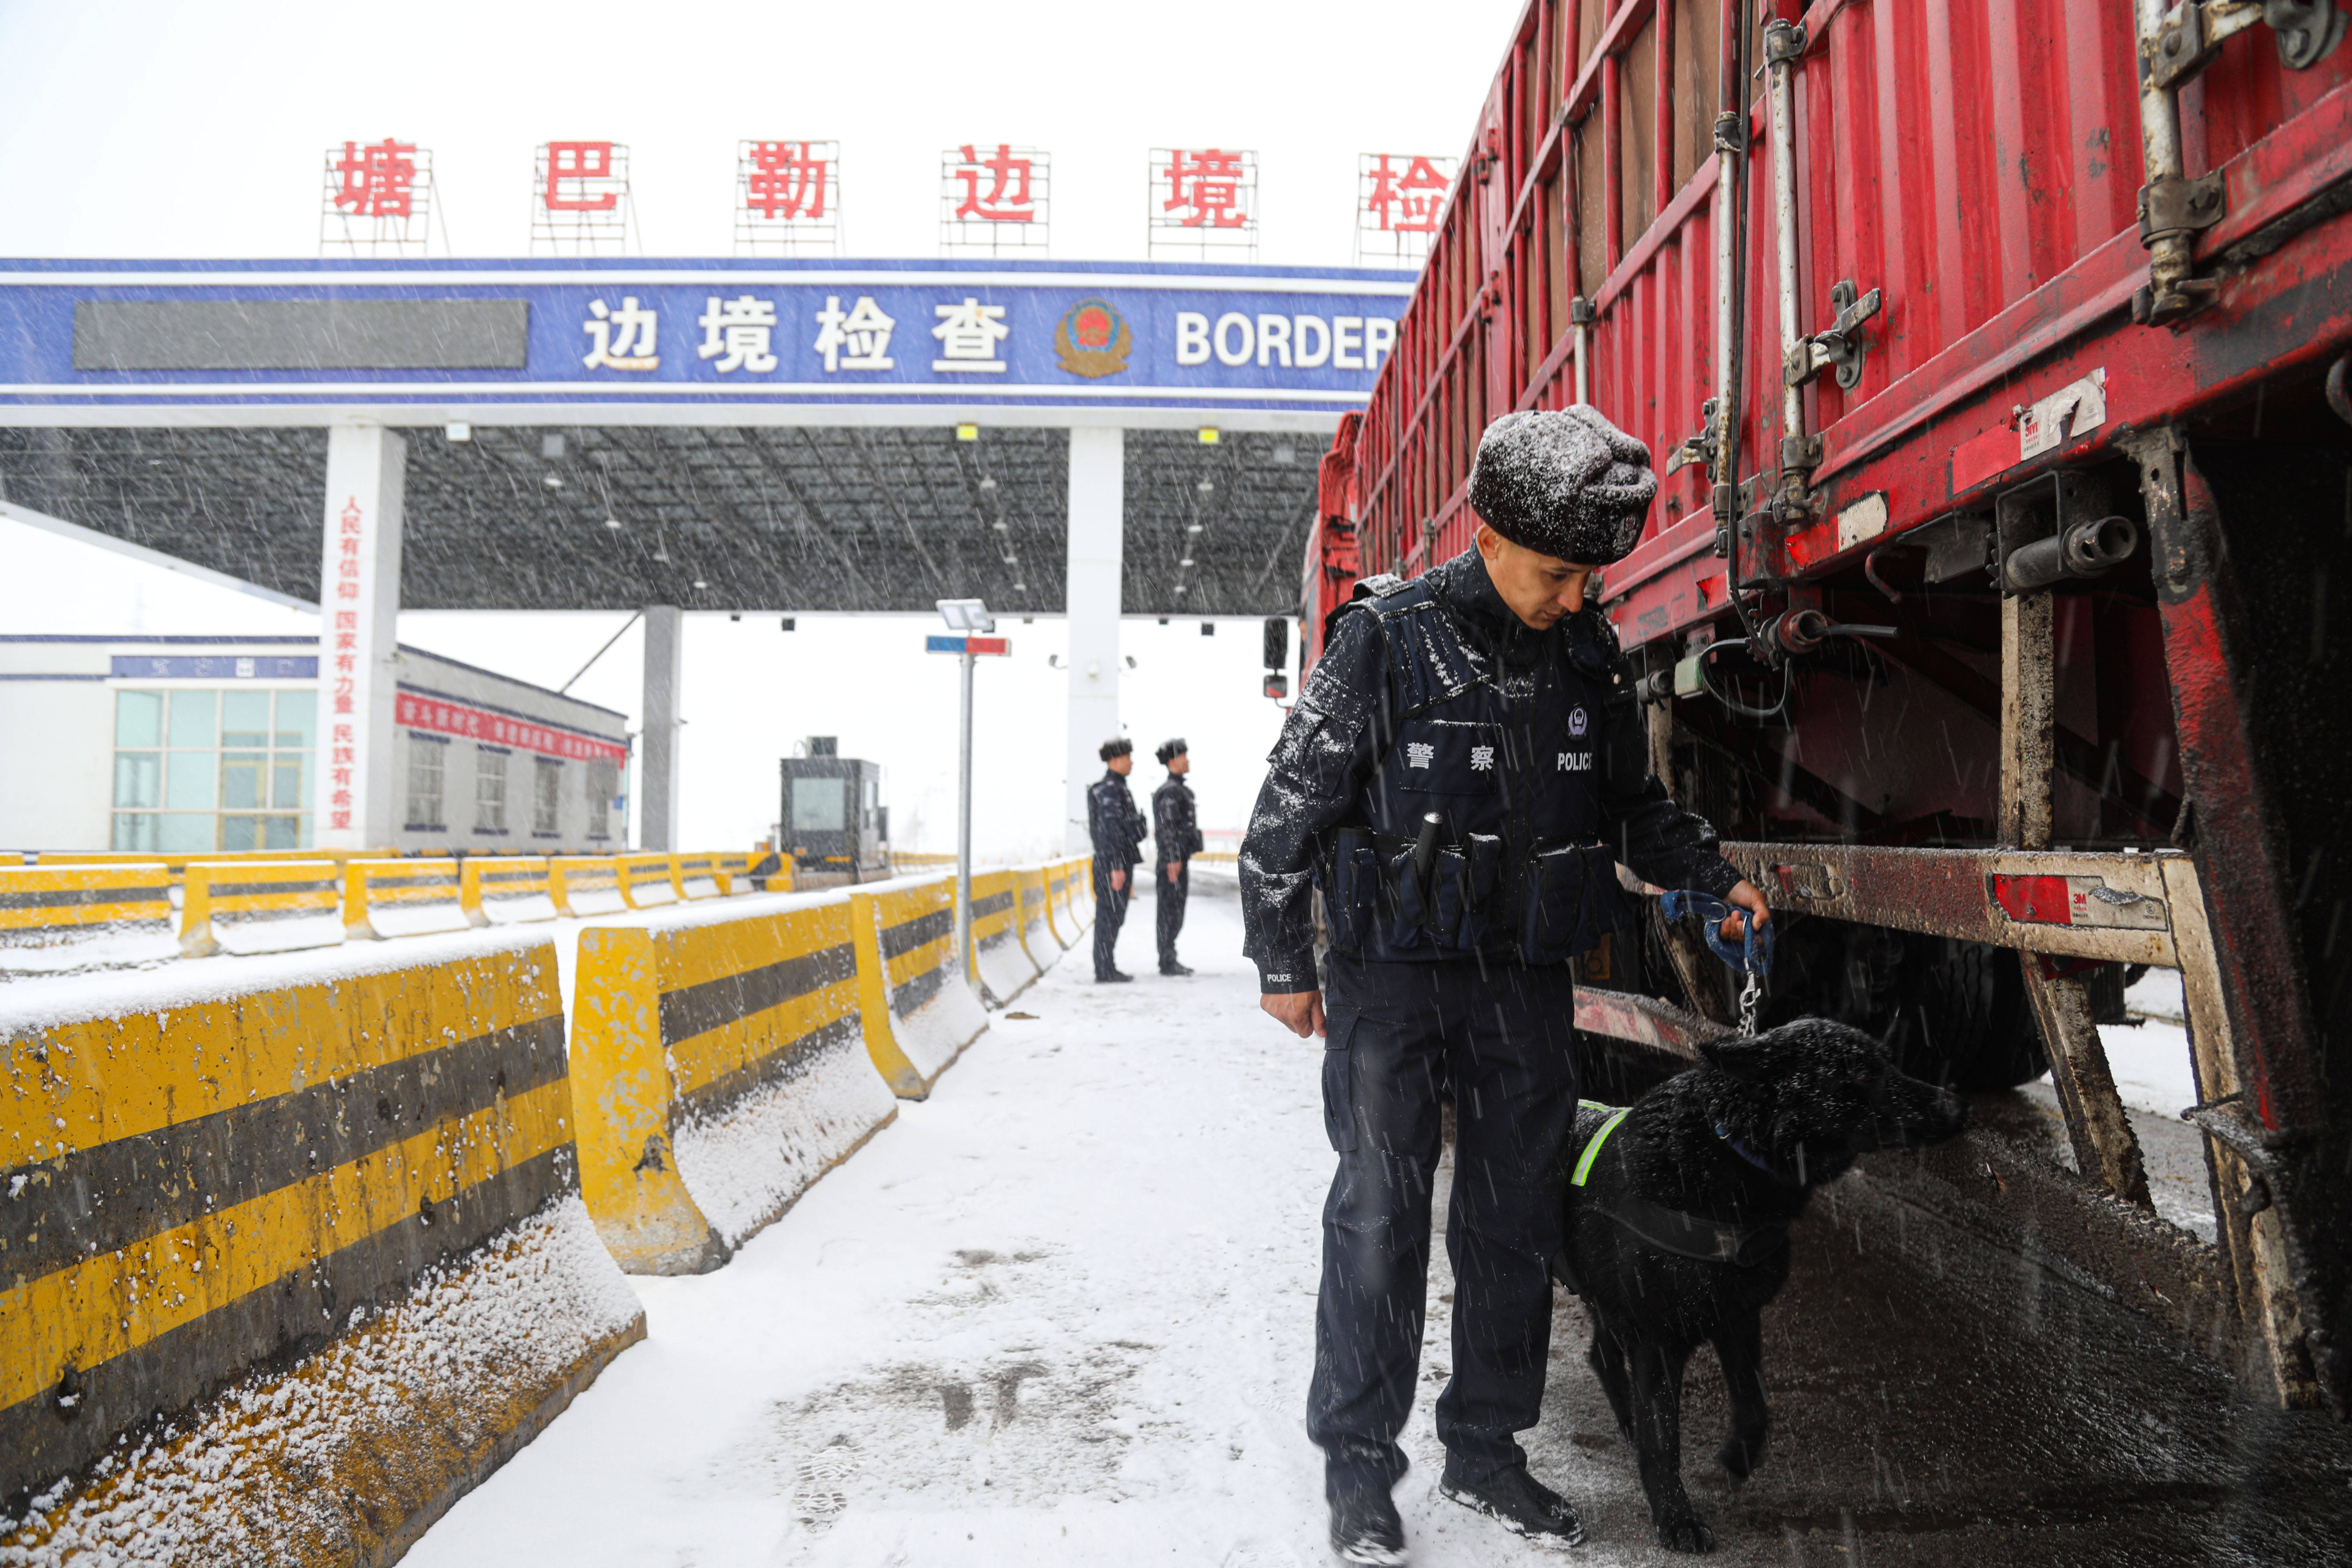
[196,771]
[820,806]
[427,767]
[489,790]
[547,796]
[603,777]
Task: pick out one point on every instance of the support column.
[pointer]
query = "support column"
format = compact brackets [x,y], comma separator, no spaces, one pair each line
[2106,1150]
[657,753]
[1097,525]
[357,802]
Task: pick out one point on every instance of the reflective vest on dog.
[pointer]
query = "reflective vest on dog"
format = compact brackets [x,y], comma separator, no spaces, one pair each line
[1506,760]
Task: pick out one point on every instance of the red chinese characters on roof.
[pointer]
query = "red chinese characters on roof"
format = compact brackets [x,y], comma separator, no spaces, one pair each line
[1007,199]
[785,181]
[1410,200]
[581,178]
[1206,186]
[378,180]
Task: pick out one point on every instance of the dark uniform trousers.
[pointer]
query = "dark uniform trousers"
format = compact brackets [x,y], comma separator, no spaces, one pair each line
[1499,1041]
[1171,896]
[1110,913]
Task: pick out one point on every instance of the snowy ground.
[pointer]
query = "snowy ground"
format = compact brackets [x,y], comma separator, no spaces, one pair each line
[2155,1076]
[1059,1313]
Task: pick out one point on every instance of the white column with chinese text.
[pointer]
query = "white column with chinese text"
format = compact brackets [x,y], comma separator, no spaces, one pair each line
[359,605]
[1097,527]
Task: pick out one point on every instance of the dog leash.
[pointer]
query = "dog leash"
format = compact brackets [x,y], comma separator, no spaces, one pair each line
[1752,958]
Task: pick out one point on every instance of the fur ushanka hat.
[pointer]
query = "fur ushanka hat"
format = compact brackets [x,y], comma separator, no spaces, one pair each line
[1566,483]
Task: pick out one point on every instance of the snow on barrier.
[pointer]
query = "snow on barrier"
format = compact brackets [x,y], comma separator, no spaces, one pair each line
[999,962]
[734,873]
[400,898]
[1057,903]
[296,1254]
[1036,940]
[505,889]
[63,918]
[932,1014]
[698,876]
[646,880]
[718,1068]
[585,885]
[260,906]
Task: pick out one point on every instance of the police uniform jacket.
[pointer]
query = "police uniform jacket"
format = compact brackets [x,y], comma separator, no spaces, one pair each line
[1433,698]
[1175,833]
[1113,823]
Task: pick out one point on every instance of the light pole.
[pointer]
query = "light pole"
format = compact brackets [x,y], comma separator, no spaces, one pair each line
[968,617]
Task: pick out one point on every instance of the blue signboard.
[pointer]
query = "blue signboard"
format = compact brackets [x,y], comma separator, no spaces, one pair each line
[612,332]
[213,667]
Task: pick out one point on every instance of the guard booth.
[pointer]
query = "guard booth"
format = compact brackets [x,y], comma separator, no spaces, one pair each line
[831,819]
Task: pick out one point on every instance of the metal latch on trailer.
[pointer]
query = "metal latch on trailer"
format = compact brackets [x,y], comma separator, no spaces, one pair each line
[1841,345]
[2190,36]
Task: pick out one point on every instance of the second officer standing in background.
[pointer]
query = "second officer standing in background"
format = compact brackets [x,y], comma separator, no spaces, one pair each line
[1116,829]
[1176,838]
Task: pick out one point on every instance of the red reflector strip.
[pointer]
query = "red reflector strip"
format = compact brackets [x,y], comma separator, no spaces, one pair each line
[2043,901]
[987,644]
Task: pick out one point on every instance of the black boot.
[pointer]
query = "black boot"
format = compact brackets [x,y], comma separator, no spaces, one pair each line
[1173,967]
[1112,975]
[1515,1500]
[1365,1527]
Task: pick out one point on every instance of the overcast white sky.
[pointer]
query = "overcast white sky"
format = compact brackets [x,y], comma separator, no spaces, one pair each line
[150,128]
[143,128]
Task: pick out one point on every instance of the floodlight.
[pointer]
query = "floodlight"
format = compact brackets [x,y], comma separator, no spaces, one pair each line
[966,615]
[1211,435]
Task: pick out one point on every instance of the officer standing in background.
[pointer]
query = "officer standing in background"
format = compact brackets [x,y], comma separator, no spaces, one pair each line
[1463,771]
[1176,838]
[1116,829]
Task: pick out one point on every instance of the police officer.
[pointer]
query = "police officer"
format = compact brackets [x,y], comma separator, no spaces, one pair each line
[1116,829]
[1459,777]
[1176,838]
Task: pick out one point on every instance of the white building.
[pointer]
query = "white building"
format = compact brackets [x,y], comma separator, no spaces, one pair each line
[184,744]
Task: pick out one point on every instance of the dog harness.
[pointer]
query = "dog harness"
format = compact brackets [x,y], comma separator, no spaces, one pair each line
[1672,1230]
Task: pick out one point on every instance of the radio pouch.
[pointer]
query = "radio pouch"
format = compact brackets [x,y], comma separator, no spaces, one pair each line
[1408,909]
[1598,914]
[1355,893]
[1554,902]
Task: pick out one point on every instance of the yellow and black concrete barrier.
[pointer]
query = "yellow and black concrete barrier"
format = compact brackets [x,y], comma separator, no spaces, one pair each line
[289,1270]
[927,1015]
[719,1067]
[1000,964]
[57,919]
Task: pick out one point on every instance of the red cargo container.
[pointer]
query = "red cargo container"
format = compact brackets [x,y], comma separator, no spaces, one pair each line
[1966,301]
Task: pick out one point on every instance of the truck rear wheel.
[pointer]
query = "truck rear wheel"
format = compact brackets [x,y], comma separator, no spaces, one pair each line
[1967,1019]
[1950,1012]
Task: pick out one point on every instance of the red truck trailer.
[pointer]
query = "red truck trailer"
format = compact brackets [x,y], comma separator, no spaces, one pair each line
[1994,356]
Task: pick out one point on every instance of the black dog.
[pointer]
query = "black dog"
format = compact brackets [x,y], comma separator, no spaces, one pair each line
[1679,1223]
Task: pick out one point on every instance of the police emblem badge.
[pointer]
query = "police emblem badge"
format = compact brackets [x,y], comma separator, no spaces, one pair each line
[1093,339]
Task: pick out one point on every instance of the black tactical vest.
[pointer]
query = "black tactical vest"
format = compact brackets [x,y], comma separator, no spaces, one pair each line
[1505,759]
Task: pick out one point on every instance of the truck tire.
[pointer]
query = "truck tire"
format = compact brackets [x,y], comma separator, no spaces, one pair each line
[1970,1023]
[1951,1012]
